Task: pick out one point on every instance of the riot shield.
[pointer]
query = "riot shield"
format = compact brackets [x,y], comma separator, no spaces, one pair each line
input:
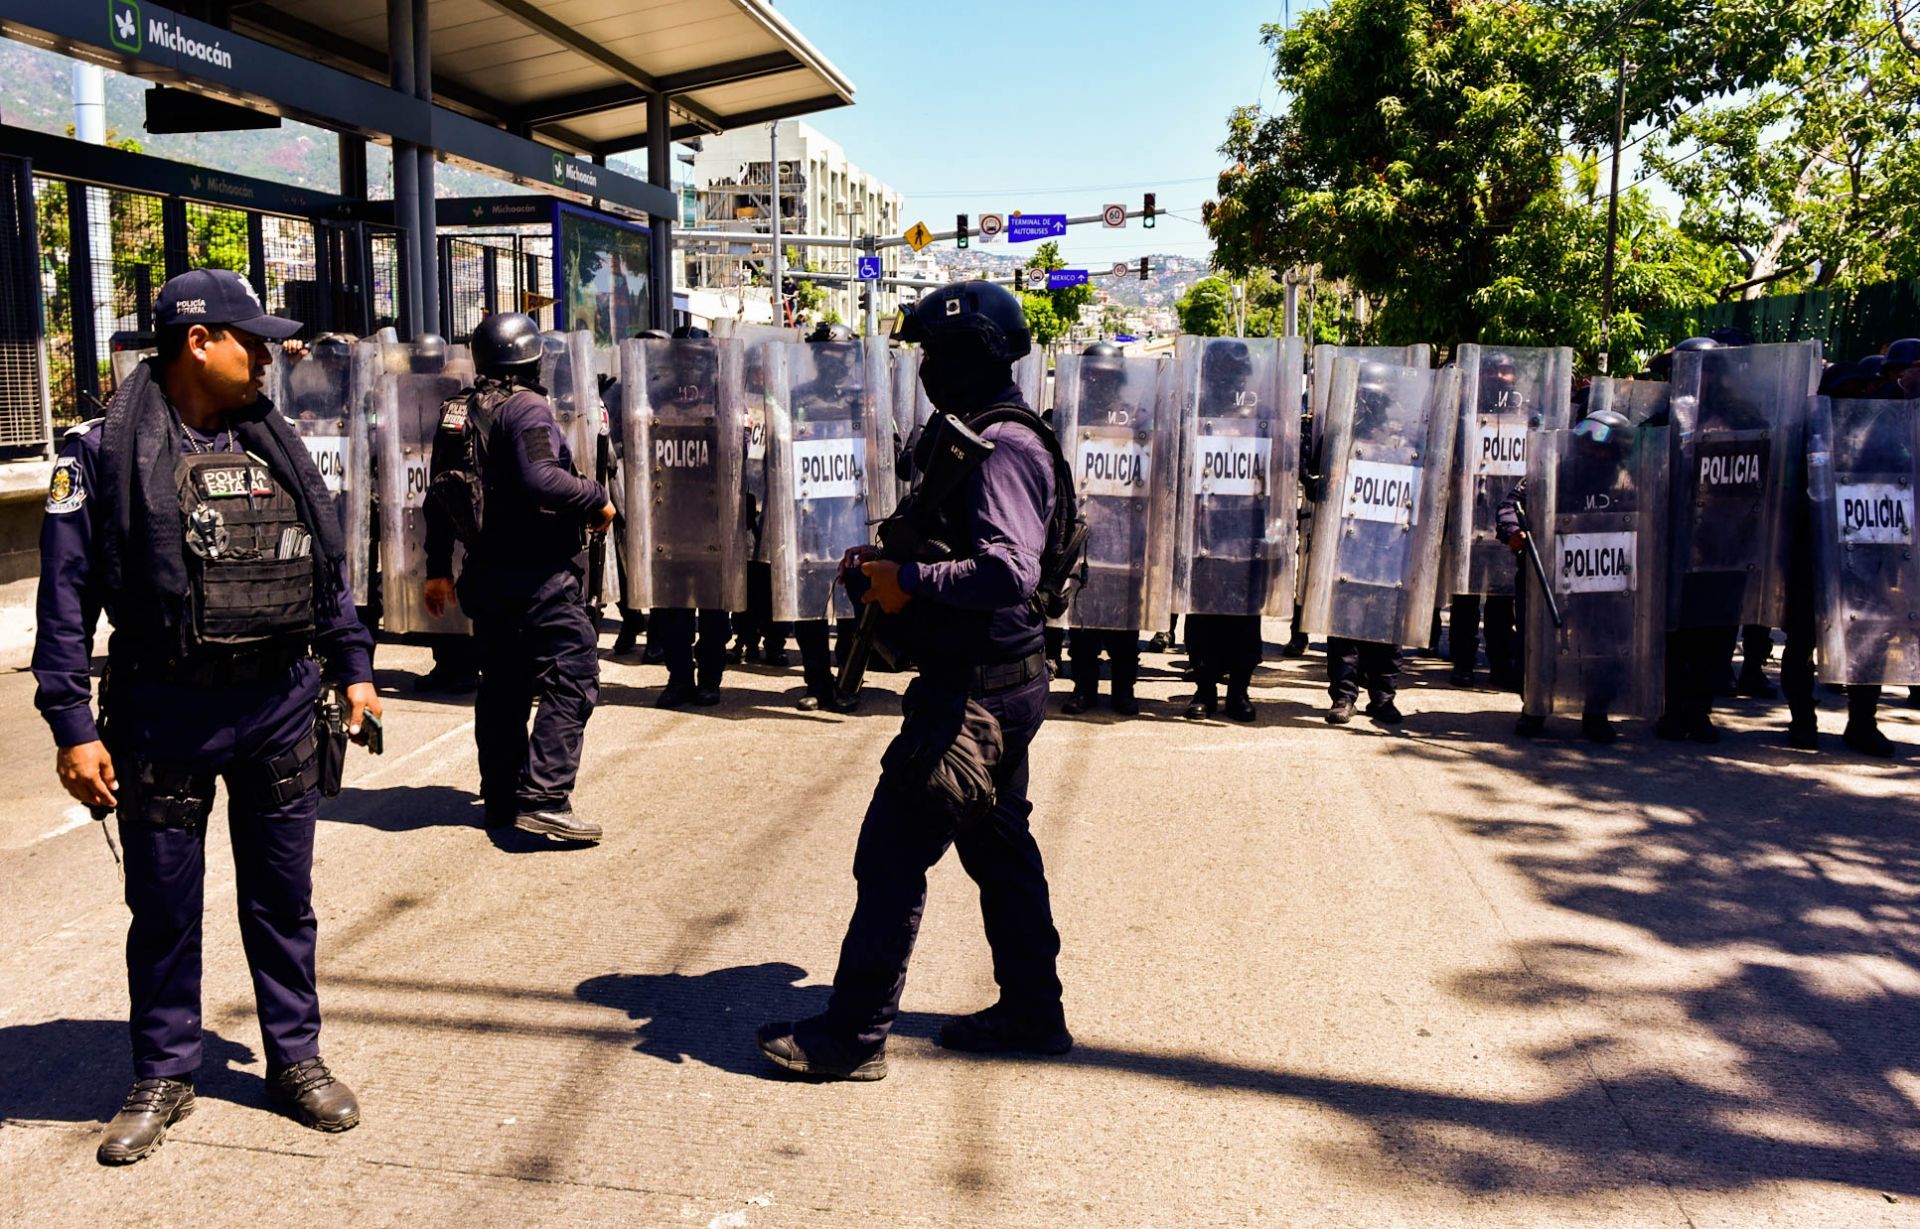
[1508,394]
[1637,401]
[758,343]
[1739,440]
[1030,373]
[686,444]
[829,471]
[1324,359]
[569,372]
[1597,510]
[1238,479]
[1118,421]
[317,394]
[1374,568]
[1861,472]
[407,400]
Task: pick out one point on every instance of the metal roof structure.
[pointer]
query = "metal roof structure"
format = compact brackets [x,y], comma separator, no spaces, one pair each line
[577,74]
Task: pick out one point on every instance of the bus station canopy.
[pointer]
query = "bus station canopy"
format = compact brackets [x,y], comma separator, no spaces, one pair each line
[577,73]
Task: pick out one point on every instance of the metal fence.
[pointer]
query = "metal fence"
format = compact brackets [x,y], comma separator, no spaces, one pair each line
[482,273]
[23,389]
[1848,323]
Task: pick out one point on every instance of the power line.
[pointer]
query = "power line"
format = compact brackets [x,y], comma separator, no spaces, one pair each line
[1098,187]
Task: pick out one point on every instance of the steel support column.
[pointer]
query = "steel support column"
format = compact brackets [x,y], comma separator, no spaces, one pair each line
[660,237]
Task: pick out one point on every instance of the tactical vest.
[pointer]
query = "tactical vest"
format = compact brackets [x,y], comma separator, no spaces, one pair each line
[249,556]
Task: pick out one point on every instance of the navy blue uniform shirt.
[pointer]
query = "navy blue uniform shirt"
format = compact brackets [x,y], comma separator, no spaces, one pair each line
[71,599]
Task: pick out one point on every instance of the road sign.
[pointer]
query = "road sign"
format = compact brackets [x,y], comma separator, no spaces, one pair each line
[1062,279]
[869,269]
[918,236]
[1125,337]
[991,224]
[1122,269]
[1113,217]
[1025,227]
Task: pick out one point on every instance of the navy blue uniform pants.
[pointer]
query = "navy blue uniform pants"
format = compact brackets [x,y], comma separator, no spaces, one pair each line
[537,642]
[1084,645]
[901,840]
[1353,664]
[1224,646]
[1463,634]
[672,630]
[204,733]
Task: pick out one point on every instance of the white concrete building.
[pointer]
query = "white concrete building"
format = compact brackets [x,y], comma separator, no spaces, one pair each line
[821,193]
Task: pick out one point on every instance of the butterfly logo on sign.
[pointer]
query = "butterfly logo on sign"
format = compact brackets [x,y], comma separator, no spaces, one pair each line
[124,28]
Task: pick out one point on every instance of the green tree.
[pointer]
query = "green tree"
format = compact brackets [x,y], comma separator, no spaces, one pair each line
[1206,309]
[1043,322]
[1066,304]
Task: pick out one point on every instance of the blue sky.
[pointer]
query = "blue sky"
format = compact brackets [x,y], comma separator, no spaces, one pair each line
[993,106]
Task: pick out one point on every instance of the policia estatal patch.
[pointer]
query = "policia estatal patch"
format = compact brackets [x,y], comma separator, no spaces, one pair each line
[66,493]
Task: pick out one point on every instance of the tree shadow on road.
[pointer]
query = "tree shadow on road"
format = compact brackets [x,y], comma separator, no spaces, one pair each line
[78,1070]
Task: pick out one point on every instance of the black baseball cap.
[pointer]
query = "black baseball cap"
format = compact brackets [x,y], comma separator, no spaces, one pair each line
[219,296]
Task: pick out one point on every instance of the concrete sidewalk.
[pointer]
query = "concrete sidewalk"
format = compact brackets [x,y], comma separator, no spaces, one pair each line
[1340,977]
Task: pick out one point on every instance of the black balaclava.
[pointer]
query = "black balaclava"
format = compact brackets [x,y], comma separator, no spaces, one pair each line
[960,377]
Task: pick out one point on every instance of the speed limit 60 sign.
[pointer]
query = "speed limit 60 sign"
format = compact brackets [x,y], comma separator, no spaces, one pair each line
[1113,217]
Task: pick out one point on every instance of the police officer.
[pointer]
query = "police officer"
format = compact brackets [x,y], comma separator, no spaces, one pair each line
[1498,395]
[970,624]
[1227,646]
[193,514]
[1103,379]
[757,637]
[827,392]
[521,580]
[1698,658]
[695,667]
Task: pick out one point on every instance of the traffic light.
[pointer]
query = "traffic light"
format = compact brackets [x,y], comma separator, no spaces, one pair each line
[1146,212]
[1019,279]
[960,230]
[1143,268]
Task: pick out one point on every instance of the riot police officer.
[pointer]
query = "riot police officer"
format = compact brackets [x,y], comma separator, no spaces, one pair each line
[193,514]
[1233,527]
[692,643]
[835,374]
[1102,381]
[972,624]
[521,580]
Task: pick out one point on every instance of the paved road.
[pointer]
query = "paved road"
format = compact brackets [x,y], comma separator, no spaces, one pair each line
[1318,977]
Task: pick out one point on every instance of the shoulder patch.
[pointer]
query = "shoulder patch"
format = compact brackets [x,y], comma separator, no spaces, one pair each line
[538,441]
[76,432]
[453,416]
[66,492]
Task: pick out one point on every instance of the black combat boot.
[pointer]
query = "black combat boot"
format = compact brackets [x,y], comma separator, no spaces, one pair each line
[808,1048]
[310,1095]
[1239,707]
[1002,1030]
[1341,712]
[1598,729]
[140,1127]
[1203,702]
[1386,712]
[1529,726]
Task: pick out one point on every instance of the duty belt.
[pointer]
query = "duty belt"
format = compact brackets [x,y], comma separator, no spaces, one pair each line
[211,668]
[997,677]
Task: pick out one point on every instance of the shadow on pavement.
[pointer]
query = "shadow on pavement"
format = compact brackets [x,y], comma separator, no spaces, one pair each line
[403,808]
[711,1018]
[78,1070]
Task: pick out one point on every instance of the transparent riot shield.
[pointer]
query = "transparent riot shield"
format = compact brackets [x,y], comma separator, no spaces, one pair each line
[408,397]
[1597,509]
[316,393]
[830,472]
[1388,451]
[1739,439]
[1508,394]
[1861,473]
[686,444]
[1637,401]
[759,342]
[569,371]
[1238,477]
[1030,373]
[1324,359]
[1118,421]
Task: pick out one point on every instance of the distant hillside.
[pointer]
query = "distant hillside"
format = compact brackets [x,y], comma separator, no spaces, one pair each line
[1168,276]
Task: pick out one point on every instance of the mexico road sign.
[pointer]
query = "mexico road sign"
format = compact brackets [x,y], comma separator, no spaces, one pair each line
[1025,227]
[1062,279]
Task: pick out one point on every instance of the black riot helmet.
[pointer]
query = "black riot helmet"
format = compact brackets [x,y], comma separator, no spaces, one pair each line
[1225,367]
[982,311]
[826,331]
[506,344]
[1601,426]
[427,355]
[691,332]
[1102,368]
[1901,355]
[653,335]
